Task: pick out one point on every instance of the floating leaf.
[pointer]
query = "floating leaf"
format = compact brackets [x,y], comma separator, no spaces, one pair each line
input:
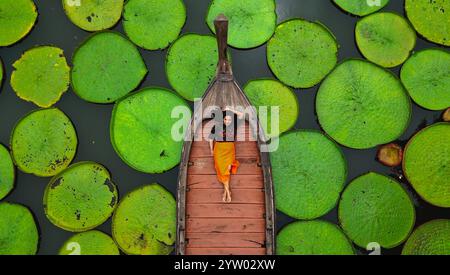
[427,164]
[145,221]
[302,53]
[153,24]
[44,142]
[309,172]
[17,18]
[106,67]
[18,231]
[94,15]
[89,243]
[361,7]
[81,197]
[361,105]
[251,23]
[376,208]
[431,238]
[41,76]
[7,173]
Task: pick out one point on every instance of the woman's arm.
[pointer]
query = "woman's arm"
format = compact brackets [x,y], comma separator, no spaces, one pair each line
[211,146]
[240,115]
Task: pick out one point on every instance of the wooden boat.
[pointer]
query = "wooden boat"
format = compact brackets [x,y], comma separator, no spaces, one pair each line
[205,224]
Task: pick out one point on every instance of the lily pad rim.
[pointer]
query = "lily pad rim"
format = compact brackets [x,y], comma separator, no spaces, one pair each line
[113,114]
[406,149]
[321,221]
[114,25]
[84,42]
[85,229]
[14,171]
[408,23]
[405,191]
[158,49]
[29,30]
[26,116]
[357,15]
[414,54]
[324,27]
[213,31]
[292,91]
[3,74]
[56,100]
[135,190]
[384,69]
[166,61]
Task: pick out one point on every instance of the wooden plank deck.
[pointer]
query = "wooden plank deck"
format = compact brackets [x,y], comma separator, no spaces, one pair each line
[217,228]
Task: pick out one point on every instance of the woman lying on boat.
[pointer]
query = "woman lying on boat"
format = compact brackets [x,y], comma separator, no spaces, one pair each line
[222,144]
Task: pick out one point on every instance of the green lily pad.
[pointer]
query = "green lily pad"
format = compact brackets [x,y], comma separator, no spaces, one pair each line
[89,243]
[7,172]
[106,67]
[361,7]
[376,208]
[427,164]
[309,172]
[313,238]
[44,142]
[17,18]
[141,126]
[271,93]
[302,53]
[81,197]
[191,64]
[426,76]
[153,24]
[41,76]
[18,231]
[431,238]
[361,105]
[94,15]
[145,221]
[386,38]
[252,23]
[431,19]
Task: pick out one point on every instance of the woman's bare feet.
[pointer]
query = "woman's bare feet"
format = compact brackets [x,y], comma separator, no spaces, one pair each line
[229,196]
[225,195]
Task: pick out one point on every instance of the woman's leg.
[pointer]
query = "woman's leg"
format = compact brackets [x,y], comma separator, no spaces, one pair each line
[227,192]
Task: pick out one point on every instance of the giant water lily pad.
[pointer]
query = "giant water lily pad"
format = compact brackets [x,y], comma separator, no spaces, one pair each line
[153,24]
[426,76]
[431,19]
[309,172]
[313,238]
[251,23]
[89,243]
[386,38]
[7,173]
[431,238]
[271,93]
[427,164]
[302,53]
[376,208]
[106,67]
[18,231]
[361,7]
[41,76]
[361,105]
[44,142]
[141,130]
[81,197]
[145,221]
[17,18]
[94,15]
[191,64]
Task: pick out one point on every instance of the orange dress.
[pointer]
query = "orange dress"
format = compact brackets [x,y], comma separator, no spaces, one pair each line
[224,155]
